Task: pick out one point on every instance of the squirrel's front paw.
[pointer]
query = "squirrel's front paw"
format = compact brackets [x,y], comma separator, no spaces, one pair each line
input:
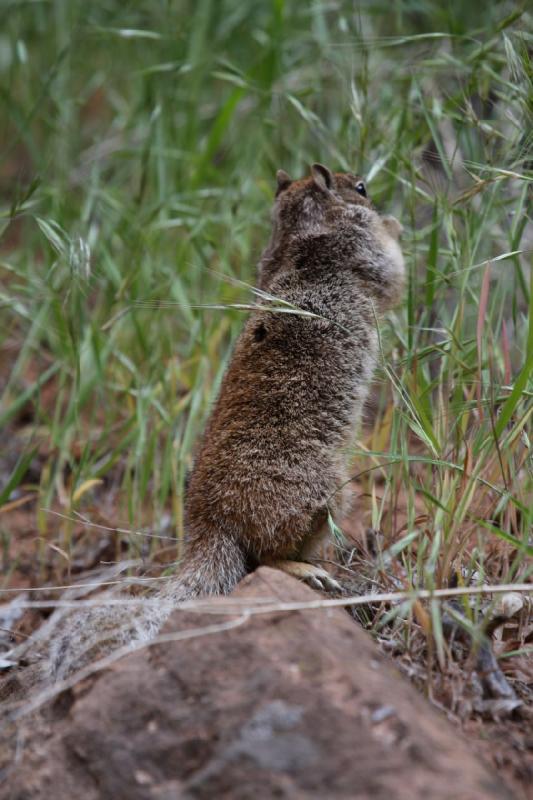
[393,227]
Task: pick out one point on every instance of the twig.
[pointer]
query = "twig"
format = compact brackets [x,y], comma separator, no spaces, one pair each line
[80,518]
[231,605]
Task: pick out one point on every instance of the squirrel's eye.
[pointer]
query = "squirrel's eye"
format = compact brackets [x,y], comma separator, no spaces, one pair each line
[360,188]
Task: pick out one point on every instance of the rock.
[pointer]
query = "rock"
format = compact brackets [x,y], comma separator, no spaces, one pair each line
[288,705]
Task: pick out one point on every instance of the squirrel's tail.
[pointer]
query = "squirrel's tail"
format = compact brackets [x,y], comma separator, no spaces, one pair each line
[212,565]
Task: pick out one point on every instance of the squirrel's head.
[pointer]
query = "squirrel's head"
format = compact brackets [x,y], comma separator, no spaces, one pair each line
[315,203]
[330,217]
[323,202]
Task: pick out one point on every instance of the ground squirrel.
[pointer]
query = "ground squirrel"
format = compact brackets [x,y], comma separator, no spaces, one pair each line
[270,467]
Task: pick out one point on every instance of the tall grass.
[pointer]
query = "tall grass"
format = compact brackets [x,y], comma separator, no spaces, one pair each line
[138,146]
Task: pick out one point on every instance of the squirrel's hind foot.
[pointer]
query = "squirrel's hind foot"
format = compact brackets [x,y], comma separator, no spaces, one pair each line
[315,576]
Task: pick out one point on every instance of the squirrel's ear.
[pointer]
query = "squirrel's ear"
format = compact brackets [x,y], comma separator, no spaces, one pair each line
[283,181]
[322,177]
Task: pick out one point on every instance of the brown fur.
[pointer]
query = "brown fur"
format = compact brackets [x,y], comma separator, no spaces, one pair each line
[270,464]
